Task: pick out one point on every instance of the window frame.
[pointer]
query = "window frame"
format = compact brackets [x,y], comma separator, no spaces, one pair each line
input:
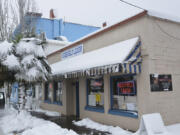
[91,108]
[46,93]
[120,111]
[54,94]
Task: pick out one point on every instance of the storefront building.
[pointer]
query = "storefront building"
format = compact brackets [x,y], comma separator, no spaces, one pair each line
[119,73]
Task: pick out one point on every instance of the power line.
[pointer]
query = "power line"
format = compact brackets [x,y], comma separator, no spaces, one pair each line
[166,33]
[132,4]
[160,28]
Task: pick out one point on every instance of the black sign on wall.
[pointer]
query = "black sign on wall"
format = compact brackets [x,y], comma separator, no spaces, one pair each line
[160,82]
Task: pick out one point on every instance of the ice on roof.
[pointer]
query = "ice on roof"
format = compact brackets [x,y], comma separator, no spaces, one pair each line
[112,54]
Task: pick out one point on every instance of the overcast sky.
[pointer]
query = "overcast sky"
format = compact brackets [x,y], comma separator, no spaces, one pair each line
[95,12]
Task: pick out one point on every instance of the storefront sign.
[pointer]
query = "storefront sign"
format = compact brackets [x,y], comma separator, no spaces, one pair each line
[77,50]
[126,88]
[160,82]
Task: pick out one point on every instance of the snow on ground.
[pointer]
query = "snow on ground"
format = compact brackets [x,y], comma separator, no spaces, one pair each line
[174,129]
[48,129]
[48,113]
[104,128]
[88,123]
[29,125]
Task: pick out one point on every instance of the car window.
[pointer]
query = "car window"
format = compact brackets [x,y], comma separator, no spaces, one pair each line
[1,96]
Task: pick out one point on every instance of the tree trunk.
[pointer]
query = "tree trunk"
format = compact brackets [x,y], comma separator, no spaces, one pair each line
[21,100]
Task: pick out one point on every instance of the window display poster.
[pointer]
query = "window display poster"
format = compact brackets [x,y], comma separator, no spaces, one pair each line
[126,88]
[96,84]
[160,82]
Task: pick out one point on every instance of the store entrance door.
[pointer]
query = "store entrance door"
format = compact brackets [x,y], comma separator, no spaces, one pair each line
[77,99]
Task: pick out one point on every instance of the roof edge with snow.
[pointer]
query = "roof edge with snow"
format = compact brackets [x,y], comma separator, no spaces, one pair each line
[124,57]
[98,32]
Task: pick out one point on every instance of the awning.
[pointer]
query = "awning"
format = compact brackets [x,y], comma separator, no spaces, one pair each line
[124,57]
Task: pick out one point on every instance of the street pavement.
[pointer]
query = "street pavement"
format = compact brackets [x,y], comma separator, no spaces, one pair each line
[66,122]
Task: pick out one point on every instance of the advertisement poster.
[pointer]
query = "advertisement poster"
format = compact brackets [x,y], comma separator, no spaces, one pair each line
[96,84]
[126,88]
[160,82]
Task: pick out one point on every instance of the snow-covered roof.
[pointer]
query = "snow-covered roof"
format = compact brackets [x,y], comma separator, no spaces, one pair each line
[54,45]
[112,54]
[57,42]
[164,9]
[164,16]
[140,13]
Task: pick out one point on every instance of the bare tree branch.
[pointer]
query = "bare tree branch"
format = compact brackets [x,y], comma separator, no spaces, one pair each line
[12,14]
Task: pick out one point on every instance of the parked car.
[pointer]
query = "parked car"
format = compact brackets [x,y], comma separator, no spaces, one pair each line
[2,100]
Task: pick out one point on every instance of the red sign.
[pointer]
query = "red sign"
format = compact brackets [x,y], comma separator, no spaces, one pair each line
[50,85]
[126,88]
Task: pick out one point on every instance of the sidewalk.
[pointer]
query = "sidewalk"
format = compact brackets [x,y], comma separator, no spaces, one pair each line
[66,122]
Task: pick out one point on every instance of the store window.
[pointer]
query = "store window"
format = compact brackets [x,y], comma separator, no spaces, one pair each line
[95,92]
[124,94]
[48,87]
[33,91]
[58,87]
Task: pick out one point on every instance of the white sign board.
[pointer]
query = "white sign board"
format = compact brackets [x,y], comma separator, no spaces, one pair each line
[77,50]
[152,124]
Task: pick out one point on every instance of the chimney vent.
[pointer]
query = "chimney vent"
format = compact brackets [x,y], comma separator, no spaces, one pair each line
[104,24]
[51,14]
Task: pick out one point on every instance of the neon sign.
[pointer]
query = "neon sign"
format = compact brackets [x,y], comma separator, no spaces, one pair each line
[126,88]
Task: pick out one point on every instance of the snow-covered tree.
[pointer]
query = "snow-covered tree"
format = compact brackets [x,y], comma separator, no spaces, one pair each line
[27,58]
[33,64]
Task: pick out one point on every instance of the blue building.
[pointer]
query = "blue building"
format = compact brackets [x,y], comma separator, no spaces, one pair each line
[54,28]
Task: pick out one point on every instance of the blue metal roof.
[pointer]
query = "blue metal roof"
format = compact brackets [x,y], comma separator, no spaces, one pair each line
[56,27]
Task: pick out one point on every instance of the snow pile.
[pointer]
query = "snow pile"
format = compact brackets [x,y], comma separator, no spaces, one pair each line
[171,130]
[174,129]
[28,125]
[109,55]
[104,128]
[48,113]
